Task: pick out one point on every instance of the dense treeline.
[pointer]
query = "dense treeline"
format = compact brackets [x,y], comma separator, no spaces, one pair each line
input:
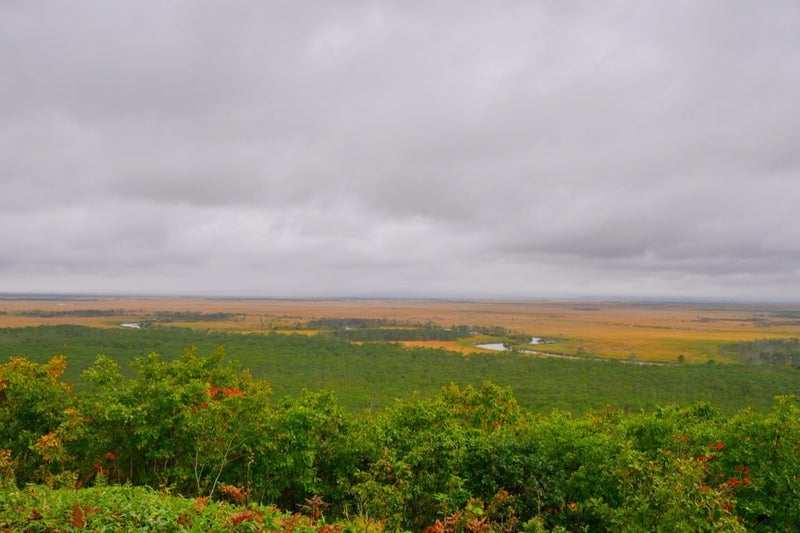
[422,333]
[427,332]
[189,316]
[158,316]
[768,351]
[41,313]
[381,329]
[467,459]
[355,322]
[372,374]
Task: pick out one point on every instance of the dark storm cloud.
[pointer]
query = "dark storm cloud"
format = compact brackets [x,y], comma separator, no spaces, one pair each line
[443,149]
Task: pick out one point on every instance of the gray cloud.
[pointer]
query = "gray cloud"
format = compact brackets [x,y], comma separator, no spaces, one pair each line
[383,148]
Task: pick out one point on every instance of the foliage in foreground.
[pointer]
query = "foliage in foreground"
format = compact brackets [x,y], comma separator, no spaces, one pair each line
[125,508]
[469,459]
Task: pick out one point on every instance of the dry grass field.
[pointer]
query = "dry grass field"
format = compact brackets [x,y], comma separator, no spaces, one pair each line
[646,331]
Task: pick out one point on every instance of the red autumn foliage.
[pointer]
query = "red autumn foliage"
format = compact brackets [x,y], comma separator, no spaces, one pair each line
[245,515]
[227,392]
[235,493]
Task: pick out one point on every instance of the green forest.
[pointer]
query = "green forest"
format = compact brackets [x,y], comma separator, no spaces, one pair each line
[252,432]
[374,374]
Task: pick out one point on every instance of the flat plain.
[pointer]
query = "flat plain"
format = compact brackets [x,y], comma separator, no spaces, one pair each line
[648,331]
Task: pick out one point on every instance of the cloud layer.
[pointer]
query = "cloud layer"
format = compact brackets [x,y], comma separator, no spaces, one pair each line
[401,149]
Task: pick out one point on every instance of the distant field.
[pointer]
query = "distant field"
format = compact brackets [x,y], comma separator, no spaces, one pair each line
[646,332]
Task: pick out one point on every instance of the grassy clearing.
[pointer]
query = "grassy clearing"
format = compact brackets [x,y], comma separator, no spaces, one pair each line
[464,346]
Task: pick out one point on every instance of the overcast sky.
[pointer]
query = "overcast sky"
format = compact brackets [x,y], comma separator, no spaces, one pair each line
[373,148]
